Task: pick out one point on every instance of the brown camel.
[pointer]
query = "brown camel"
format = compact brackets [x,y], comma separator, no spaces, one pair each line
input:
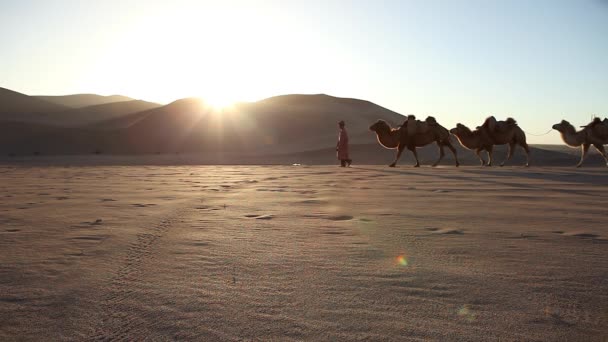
[399,138]
[595,133]
[474,140]
[505,132]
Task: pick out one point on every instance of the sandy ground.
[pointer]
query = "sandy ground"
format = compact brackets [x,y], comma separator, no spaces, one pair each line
[303,253]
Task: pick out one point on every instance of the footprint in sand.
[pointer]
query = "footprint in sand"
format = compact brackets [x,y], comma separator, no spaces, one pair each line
[523,236]
[312,201]
[260,217]
[12,299]
[334,232]
[89,237]
[12,230]
[92,223]
[141,205]
[579,234]
[445,231]
[199,243]
[339,217]
[108,200]
[271,190]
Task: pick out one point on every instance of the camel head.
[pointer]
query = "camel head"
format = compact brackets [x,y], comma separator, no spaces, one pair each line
[380,126]
[460,129]
[564,127]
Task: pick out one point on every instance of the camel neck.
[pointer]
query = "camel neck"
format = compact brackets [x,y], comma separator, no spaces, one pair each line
[388,139]
[467,139]
[574,139]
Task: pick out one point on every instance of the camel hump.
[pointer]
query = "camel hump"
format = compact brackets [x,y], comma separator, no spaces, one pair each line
[599,128]
[490,123]
[511,121]
[411,124]
[416,126]
[596,121]
[431,120]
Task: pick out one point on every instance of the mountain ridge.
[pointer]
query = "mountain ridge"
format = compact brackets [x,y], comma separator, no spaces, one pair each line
[82,100]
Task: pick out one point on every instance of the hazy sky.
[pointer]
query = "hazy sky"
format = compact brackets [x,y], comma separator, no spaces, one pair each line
[539,61]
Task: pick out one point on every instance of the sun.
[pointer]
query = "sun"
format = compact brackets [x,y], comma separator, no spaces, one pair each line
[217,94]
[219,102]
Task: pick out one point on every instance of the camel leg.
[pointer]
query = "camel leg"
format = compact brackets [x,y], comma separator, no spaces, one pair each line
[441,155]
[527,149]
[478,153]
[451,147]
[602,151]
[584,150]
[399,151]
[415,156]
[509,154]
[490,150]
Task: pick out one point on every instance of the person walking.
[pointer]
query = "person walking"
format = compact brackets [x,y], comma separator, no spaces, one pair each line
[342,146]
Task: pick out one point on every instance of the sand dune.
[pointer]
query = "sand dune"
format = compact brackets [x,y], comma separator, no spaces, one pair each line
[281,124]
[76,117]
[14,104]
[303,253]
[83,100]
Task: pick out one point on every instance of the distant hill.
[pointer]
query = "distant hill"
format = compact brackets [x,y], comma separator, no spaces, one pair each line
[17,107]
[83,100]
[278,124]
[91,114]
[278,130]
[14,104]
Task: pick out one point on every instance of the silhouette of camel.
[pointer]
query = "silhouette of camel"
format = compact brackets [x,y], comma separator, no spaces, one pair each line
[505,132]
[595,133]
[399,138]
[474,140]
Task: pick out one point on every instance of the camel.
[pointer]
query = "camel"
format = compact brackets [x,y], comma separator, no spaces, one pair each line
[595,133]
[505,132]
[474,140]
[399,138]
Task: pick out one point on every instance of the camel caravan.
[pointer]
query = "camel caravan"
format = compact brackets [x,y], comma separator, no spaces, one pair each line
[416,133]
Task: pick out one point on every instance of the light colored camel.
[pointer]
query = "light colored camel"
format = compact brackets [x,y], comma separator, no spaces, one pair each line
[595,133]
[399,138]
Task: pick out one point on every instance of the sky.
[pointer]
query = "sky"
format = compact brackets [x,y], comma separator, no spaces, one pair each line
[539,61]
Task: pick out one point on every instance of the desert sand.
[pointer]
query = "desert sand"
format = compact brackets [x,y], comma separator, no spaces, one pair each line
[303,253]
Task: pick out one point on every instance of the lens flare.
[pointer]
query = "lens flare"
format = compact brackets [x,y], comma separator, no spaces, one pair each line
[466,313]
[402,260]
